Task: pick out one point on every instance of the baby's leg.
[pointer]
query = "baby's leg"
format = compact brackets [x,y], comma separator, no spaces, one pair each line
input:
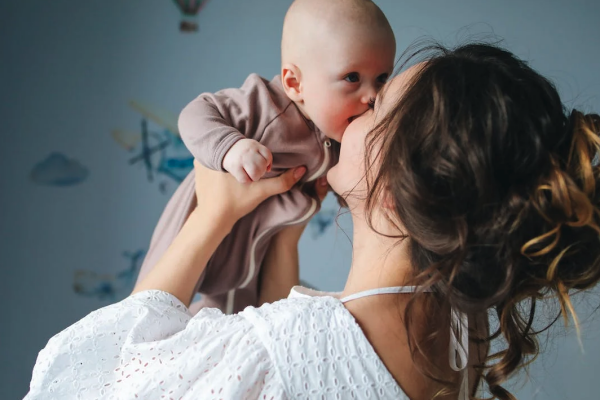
[178,209]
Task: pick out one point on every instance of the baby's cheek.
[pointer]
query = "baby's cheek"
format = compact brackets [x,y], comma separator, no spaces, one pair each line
[326,113]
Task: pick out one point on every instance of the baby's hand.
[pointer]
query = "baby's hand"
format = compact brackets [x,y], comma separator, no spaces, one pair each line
[247,160]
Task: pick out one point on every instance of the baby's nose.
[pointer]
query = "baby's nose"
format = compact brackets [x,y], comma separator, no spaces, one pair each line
[369,94]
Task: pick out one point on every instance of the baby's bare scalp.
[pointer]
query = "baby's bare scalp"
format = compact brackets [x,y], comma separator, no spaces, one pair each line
[310,22]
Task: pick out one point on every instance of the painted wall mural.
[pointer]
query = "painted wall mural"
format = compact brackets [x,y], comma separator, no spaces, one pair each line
[159,151]
[59,170]
[319,223]
[104,286]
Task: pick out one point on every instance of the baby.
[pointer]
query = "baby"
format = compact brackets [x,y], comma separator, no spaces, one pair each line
[336,55]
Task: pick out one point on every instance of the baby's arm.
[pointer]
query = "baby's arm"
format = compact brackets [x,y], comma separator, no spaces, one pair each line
[219,128]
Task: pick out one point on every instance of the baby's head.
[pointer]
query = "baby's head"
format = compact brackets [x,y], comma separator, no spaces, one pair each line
[336,55]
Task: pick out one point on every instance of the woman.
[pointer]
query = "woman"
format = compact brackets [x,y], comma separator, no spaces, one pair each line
[467,185]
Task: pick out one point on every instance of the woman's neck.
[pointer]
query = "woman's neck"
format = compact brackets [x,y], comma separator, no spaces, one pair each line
[377,261]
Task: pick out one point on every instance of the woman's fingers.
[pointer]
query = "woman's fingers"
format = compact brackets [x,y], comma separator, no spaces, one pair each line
[224,195]
[240,175]
[280,184]
[322,187]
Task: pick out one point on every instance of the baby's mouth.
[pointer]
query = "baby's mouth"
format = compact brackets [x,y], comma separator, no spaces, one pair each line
[352,118]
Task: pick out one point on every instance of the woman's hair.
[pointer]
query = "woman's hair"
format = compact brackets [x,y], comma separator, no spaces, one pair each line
[495,185]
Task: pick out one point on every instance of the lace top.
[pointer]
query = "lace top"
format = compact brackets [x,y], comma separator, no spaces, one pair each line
[148,346]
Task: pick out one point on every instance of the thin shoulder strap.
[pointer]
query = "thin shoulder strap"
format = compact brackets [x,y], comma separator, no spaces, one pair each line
[384,290]
[459,347]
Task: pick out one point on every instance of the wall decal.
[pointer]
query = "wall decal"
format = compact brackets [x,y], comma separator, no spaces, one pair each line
[59,170]
[109,286]
[159,151]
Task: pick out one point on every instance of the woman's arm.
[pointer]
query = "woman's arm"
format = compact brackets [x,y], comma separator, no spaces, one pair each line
[179,269]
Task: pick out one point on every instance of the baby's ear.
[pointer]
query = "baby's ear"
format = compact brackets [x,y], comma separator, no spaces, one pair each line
[291,78]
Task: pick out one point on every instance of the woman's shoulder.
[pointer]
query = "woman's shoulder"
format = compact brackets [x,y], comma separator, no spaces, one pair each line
[301,301]
[148,345]
[303,312]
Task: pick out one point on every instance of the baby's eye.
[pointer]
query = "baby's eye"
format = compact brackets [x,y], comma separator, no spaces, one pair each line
[382,78]
[352,77]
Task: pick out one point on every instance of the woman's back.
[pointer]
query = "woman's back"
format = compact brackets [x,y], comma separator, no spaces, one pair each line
[380,319]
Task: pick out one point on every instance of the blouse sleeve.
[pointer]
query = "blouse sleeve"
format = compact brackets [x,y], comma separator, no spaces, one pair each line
[149,346]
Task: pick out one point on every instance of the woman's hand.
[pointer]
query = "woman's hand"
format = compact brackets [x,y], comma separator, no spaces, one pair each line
[222,197]
[221,202]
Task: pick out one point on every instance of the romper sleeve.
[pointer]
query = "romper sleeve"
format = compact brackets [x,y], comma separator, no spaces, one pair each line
[213,122]
[148,346]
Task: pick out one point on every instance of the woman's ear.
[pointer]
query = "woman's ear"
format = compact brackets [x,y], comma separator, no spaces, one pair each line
[387,200]
[291,78]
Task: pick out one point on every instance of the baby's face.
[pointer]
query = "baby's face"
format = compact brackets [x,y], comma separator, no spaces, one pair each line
[343,79]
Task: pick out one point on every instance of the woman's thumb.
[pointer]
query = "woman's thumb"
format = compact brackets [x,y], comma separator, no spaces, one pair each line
[298,173]
[283,182]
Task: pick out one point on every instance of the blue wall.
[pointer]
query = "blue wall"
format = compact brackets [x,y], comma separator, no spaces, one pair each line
[68,70]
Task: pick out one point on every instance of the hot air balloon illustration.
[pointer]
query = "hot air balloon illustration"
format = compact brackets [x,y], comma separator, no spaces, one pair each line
[189,11]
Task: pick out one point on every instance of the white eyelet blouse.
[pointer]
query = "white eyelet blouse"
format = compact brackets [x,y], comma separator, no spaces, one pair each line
[149,346]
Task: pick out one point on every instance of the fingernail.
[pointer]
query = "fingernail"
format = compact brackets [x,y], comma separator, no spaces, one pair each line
[299,172]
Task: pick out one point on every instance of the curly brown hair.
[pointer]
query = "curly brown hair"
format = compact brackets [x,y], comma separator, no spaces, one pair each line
[494,183]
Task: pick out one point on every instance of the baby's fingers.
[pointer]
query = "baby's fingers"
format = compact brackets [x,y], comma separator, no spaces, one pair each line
[267,155]
[255,167]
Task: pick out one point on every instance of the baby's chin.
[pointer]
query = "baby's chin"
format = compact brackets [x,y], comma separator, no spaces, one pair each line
[337,134]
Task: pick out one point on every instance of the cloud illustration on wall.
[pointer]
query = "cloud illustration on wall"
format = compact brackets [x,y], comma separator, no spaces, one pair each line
[59,170]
